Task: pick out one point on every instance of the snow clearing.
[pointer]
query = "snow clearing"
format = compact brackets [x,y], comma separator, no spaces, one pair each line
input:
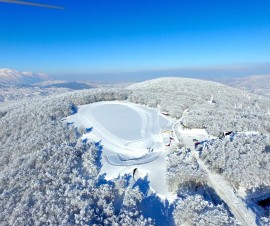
[134,140]
[132,137]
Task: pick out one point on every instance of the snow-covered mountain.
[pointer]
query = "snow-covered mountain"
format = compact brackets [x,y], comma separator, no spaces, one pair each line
[57,153]
[13,77]
[259,84]
[71,85]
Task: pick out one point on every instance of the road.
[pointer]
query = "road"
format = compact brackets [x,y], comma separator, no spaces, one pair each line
[238,207]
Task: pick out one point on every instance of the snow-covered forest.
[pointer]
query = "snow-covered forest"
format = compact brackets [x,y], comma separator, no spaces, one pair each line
[47,176]
[183,170]
[210,105]
[50,176]
[242,158]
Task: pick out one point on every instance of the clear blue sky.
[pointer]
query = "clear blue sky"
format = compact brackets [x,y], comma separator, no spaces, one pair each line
[117,36]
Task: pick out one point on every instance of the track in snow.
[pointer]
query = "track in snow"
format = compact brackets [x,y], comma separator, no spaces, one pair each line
[127,131]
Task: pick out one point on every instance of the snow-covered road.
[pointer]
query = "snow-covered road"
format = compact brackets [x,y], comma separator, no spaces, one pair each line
[131,138]
[237,206]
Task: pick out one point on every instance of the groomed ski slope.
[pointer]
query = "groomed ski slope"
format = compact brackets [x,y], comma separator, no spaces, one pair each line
[131,138]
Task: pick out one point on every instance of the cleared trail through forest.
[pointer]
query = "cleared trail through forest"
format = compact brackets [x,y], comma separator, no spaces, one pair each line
[244,215]
[237,206]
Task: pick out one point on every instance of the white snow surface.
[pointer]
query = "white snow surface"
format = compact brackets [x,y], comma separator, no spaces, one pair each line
[13,77]
[237,206]
[126,131]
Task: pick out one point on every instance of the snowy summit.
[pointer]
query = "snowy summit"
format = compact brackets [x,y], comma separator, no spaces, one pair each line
[13,77]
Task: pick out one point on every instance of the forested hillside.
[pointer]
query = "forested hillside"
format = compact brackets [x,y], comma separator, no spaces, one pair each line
[210,105]
[48,175]
[244,159]
[258,84]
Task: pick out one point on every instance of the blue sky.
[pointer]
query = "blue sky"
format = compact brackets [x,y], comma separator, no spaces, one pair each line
[95,38]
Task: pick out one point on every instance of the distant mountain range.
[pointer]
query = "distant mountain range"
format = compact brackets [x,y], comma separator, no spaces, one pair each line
[13,77]
[259,84]
[15,85]
[73,85]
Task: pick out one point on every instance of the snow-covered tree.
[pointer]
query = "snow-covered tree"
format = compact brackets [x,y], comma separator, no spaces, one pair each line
[195,210]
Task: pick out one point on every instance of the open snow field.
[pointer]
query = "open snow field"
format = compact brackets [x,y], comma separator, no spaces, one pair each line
[127,131]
